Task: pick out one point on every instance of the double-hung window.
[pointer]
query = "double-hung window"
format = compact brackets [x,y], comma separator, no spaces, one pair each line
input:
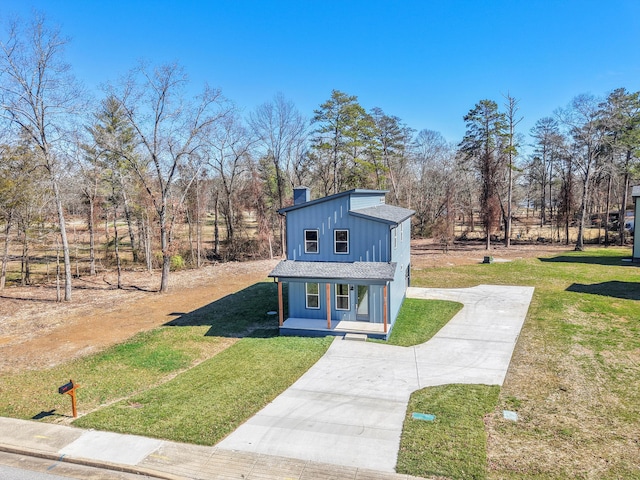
[311,241]
[342,296]
[312,291]
[341,241]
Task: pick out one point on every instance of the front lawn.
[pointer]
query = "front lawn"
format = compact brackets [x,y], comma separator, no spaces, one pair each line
[196,379]
[209,401]
[573,379]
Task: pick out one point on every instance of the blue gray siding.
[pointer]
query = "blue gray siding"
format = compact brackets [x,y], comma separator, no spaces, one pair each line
[298,309]
[372,238]
[364,200]
[369,241]
[402,256]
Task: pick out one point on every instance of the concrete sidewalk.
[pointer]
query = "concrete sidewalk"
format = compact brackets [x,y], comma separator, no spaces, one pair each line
[161,459]
[344,414]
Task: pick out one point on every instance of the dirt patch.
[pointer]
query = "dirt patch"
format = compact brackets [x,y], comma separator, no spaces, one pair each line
[426,253]
[38,332]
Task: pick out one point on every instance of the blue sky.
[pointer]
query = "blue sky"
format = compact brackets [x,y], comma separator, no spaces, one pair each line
[426,62]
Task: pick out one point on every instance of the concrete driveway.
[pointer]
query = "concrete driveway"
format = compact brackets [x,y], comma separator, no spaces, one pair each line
[348,409]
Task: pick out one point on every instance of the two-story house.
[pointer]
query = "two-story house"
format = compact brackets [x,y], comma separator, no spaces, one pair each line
[348,264]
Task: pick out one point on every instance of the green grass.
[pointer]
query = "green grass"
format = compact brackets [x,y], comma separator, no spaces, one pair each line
[573,377]
[454,444]
[147,359]
[208,402]
[419,320]
[240,314]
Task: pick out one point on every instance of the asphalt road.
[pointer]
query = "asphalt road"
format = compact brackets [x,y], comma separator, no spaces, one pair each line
[20,467]
[10,473]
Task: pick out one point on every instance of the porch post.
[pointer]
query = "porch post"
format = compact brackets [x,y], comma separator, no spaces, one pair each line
[280,305]
[328,305]
[384,307]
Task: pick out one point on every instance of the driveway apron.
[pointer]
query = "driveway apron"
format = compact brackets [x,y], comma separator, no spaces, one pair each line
[348,409]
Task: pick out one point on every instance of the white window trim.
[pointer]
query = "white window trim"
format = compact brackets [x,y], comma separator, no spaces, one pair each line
[307,294]
[317,240]
[347,296]
[395,237]
[335,241]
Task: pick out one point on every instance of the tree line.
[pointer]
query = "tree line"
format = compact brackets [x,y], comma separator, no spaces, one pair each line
[148,157]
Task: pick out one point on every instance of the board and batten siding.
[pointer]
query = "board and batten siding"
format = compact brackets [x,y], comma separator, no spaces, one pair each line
[369,241]
[402,256]
[298,309]
[364,200]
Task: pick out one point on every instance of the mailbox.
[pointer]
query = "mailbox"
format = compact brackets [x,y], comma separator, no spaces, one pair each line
[70,389]
[66,388]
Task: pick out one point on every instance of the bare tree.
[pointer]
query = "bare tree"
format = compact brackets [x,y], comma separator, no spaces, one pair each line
[228,151]
[431,162]
[39,96]
[511,150]
[621,112]
[582,119]
[544,133]
[280,129]
[20,191]
[171,131]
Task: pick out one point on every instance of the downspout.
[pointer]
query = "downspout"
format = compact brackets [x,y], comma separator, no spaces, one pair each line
[280,304]
[328,290]
[384,307]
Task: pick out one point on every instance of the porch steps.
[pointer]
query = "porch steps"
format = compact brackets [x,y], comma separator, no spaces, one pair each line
[359,337]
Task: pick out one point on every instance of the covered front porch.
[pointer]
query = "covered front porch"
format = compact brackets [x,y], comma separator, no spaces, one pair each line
[334,298]
[307,327]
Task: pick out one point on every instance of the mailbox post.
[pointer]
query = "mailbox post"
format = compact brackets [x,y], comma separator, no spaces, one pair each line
[70,389]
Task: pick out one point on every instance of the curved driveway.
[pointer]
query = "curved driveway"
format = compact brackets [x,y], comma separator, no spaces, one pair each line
[348,409]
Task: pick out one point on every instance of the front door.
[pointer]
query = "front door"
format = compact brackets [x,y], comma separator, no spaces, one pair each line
[362,303]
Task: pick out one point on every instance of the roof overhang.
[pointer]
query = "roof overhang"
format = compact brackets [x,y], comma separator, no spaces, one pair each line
[389,214]
[369,272]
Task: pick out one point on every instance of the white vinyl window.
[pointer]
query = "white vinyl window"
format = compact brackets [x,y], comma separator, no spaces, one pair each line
[395,237]
[311,241]
[312,291]
[342,296]
[341,241]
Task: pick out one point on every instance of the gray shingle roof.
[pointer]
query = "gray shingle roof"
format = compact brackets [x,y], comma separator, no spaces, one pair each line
[385,213]
[372,271]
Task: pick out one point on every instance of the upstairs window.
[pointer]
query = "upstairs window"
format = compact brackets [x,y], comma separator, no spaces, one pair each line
[312,291]
[341,241]
[311,241]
